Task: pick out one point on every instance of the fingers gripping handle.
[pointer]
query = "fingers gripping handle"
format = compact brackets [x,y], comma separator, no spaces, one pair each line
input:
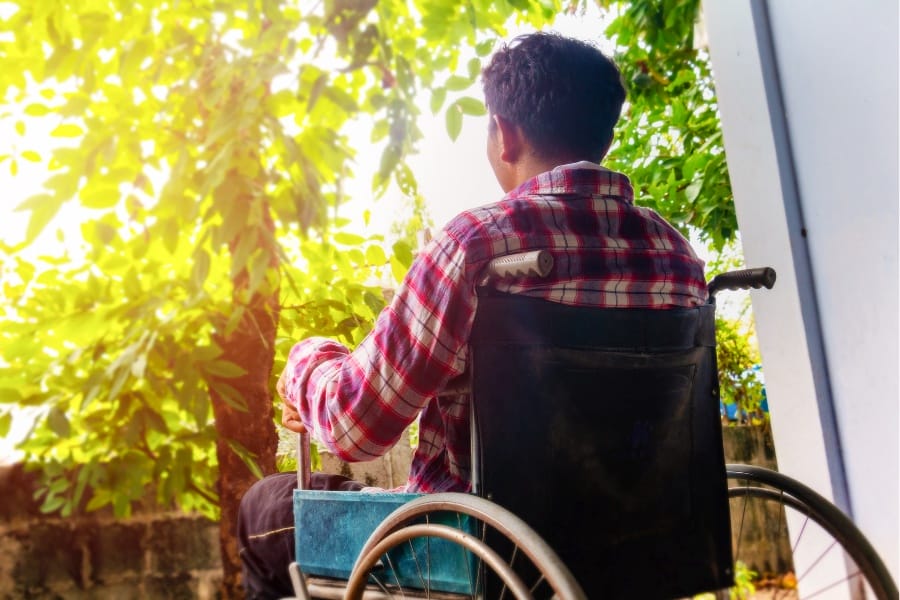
[743,279]
[535,263]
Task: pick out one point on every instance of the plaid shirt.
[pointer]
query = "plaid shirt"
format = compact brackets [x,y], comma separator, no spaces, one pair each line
[607,253]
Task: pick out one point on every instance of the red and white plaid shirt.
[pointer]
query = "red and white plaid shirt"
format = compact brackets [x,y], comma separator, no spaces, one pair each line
[607,253]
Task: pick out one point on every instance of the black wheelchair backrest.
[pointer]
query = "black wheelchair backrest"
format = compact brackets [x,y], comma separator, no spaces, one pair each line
[601,428]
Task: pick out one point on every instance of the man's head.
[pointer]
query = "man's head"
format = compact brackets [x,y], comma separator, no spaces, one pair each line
[561,96]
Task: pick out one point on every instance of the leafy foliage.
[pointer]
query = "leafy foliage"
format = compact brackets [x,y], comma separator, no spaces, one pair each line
[743,585]
[201,142]
[738,360]
[737,352]
[670,139]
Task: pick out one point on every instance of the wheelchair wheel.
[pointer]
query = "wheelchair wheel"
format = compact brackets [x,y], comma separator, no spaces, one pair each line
[431,529]
[778,524]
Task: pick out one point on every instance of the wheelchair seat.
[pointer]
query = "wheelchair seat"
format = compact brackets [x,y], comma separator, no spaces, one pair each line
[600,429]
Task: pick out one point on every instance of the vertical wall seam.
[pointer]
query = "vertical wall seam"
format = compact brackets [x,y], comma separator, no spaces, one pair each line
[806,288]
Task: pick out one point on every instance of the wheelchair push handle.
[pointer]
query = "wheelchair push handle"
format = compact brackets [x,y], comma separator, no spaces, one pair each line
[743,280]
[537,263]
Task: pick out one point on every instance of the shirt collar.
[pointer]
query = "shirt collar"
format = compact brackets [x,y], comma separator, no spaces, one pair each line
[581,164]
[581,178]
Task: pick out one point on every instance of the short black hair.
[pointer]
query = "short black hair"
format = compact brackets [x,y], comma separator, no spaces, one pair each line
[564,93]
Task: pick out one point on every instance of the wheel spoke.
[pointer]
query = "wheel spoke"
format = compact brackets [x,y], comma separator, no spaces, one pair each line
[796,543]
[464,551]
[480,567]
[381,585]
[396,575]
[428,552]
[778,532]
[737,550]
[831,586]
[512,562]
[537,583]
[818,560]
[415,557]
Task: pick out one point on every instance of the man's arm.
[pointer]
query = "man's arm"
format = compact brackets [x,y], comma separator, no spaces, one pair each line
[358,403]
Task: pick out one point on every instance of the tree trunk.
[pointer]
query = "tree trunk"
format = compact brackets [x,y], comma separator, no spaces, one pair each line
[252,346]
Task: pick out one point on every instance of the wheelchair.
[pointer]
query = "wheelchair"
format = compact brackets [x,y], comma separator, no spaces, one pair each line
[597,472]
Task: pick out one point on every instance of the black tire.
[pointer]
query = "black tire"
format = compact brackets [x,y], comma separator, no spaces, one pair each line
[763,503]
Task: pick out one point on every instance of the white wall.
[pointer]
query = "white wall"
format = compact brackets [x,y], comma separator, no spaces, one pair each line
[818,200]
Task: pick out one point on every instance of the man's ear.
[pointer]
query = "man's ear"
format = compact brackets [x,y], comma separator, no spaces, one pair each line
[510,138]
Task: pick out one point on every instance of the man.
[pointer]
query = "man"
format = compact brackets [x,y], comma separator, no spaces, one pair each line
[552,103]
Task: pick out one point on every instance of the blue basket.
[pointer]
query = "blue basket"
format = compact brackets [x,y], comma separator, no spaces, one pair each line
[332,527]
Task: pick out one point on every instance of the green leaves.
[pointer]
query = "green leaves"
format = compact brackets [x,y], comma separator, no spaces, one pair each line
[457,83]
[43,208]
[738,360]
[100,195]
[485,47]
[247,457]
[57,421]
[401,260]
[193,162]
[375,255]
[222,368]
[438,96]
[5,423]
[461,106]
[348,239]
[231,396]
[470,106]
[200,271]
[67,130]
[669,141]
[36,110]
[453,120]
[454,116]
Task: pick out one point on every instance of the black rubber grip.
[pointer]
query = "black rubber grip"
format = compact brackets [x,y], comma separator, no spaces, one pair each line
[743,280]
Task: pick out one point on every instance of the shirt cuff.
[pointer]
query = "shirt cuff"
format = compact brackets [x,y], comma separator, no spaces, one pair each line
[303,360]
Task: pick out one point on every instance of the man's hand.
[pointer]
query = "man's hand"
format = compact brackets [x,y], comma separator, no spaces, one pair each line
[290,417]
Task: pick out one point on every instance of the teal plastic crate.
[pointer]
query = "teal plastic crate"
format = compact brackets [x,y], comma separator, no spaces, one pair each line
[332,527]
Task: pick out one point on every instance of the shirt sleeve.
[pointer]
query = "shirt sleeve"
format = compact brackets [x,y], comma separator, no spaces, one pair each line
[358,403]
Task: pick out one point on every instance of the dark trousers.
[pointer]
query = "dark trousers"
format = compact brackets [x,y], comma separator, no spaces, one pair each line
[265,531]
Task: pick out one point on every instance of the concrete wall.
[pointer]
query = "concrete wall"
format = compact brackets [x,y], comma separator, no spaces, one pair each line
[153,555]
[765,547]
[809,99]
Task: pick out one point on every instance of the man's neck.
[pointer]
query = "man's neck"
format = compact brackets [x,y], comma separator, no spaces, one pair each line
[531,166]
